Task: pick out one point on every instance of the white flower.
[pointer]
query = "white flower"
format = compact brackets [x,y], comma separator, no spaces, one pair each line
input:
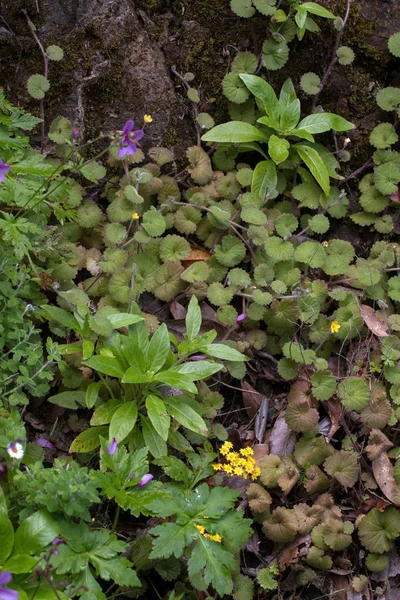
[15,450]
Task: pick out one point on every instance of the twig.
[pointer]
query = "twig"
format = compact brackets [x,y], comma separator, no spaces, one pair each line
[367,164]
[194,107]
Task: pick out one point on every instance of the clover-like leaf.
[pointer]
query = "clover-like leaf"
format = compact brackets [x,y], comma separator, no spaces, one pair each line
[383,136]
[345,55]
[309,83]
[37,86]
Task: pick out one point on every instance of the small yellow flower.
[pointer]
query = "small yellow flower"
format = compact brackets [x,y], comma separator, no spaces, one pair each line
[325,244]
[200,529]
[232,457]
[228,469]
[256,473]
[335,327]
[226,447]
[135,216]
[238,471]
[213,538]
[247,451]
[148,119]
[217,467]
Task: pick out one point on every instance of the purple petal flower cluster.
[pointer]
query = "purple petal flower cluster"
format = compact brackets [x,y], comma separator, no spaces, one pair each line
[6,593]
[112,447]
[3,170]
[129,139]
[145,479]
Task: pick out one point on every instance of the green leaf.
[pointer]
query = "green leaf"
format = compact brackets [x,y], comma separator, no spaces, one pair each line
[70,400]
[61,316]
[158,415]
[177,380]
[37,86]
[320,122]
[118,320]
[278,149]
[223,352]
[106,365]
[215,564]
[102,415]
[156,445]
[343,466]
[6,536]
[264,178]
[316,165]
[316,9]
[93,171]
[55,53]
[354,393]
[158,350]
[123,421]
[36,532]
[264,92]
[198,369]
[233,132]
[153,222]
[323,385]
[275,54]
[60,130]
[88,440]
[193,319]
[290,116]
[377,530]
[186,416]
[20,563]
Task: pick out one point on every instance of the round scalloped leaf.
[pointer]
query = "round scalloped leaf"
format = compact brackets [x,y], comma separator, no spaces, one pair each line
[384,224]
[275,54]
[377,530]
[93,171]
[394,288]
[262,298]
[323,385]
[55,53]
[278,250]
[227,315]
[174,247]
[265,7]
[343,466]
[344,156]
[394,44]
[309,83]
[234,89]
[230,252]
[345,55]
[286,29]
[242,8]
[319,224]
[372,201]
[340,254]
[253,215]
[193,95]
[386,178]
[354,393]
[309,309]
[377,562]
[60,130]
[218,294]
[285,225]
[281,526]
[200,168]
[244,177]
[198,271]
[244,62]
[388,98]
[298,353]
[161,156]
[287,368]
[363,219]
[114,234]
[317,559]
[89,214]
[312,450]
[239,278]
[205,121]
[153,223]
[310,253]
[301,417]
[383,135]
[37,86]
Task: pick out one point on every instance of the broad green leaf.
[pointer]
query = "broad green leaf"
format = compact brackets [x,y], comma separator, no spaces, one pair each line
[71,399]
[223,352]
[316,165]
[36,532]
[215,563]
[61,316]
[92,393]
[290,116]
[264,178]
[158,349]
[303,134]
[262,91]
[133,375]
[106,365]
[60,130]
[6,536]
[88,440]
[278,149]
[158,415]
[198,370]
[156,445]
[93,171]
[87,349]
[103,414]
[186,416]
[317,9]
[320,122]
[233,132]
[287,94]
[193,319]
[178,380]
[123,421]
[123,319]
[20,563]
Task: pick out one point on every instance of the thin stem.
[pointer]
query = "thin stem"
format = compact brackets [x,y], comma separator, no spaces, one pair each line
[367,164]
[116,518]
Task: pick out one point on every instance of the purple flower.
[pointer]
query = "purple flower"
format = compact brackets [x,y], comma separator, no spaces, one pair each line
[75,132]
[241,318]
[57,541]
[198,357]
[112,447]
[3,170]
[94,195]
[129,139]
[43,443]
[145,479]
[2,468]
[5,593]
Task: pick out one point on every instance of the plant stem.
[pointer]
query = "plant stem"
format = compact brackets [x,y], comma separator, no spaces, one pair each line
[116,518]
[367,164]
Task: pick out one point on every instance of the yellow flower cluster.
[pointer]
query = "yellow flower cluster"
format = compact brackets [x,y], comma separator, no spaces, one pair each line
[213,538]
[335,326]
[135,216]
[238,463]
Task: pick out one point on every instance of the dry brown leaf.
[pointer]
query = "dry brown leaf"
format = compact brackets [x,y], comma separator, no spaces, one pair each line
[374,324]
[196,254]
[177,310]
[335,410]
[383,473]
[294,550]
[260,450]
[251,398]
[377,443]
[282,438]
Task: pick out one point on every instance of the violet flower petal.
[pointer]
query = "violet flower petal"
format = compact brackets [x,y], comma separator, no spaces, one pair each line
[112,447]
[139,133]
[198,357]
[241,318]
[43,443]
[7,594]
[129,125]
[5,577]
[4,168]
[145,479]
[128,149]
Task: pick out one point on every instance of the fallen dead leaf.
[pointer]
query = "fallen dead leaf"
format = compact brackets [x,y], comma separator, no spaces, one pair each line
[260,450]
[335,411]
[196,254]
[383,473]
[251,398]
[294,550]
[377,443]
[177,310]
[374,324]
[282,438]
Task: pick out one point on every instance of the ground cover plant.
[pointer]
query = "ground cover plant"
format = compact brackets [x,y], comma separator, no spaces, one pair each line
[200,376]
